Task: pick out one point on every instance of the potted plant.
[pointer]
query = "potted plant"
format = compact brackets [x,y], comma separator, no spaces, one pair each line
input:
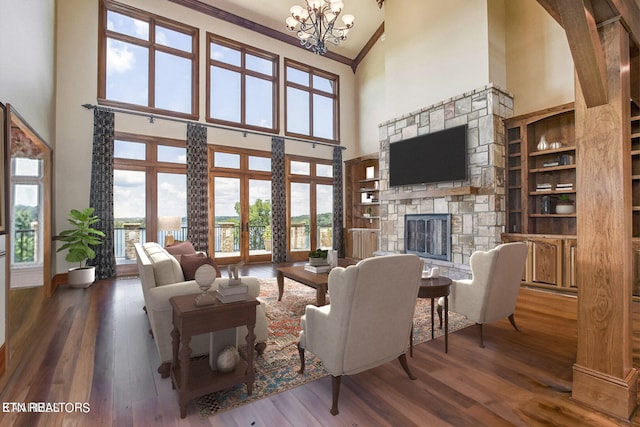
[78,241]
[267,236]
[564,205]
[318,257]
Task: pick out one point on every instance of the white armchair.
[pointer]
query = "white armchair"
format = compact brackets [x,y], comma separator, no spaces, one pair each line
[491,293]
[368,321]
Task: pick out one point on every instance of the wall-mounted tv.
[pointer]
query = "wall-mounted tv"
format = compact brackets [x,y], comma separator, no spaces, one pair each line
[434,157]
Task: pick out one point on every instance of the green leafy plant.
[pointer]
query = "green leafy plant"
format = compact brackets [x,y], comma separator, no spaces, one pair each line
[319,253]
[564,198]
[79,239]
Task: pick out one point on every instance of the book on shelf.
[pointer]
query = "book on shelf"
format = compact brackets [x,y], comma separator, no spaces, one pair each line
[317,268]
[544,187]
[551,163]
[564,186]
[229,289]
[231,298]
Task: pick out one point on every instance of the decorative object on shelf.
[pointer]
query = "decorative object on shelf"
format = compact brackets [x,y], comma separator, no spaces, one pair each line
[547,205]
[315,24]
[564,205]
[370,172]
[169,224]
[204,277]
[318,257]
[227,359]
[79,240]
[555,145]
[566,159]
[543,144]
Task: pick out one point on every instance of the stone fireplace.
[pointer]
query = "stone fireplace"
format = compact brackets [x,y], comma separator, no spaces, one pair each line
[475,207]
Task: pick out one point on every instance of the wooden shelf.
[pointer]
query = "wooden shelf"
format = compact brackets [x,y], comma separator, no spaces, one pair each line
[438,192]
[553,151]
[553,168]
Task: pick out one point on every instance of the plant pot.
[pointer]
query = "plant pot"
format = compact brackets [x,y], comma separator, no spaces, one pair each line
[81,277]
[565,208]
[267,245]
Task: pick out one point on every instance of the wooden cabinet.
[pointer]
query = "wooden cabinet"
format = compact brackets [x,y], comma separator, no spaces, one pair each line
[361,242]
[550,260]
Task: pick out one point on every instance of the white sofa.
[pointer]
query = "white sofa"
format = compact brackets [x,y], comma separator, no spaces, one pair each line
[162,278]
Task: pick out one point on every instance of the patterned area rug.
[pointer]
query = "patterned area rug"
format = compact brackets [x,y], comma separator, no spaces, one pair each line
[276,369]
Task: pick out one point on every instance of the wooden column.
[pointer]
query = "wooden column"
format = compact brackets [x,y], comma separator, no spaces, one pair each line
[603,375]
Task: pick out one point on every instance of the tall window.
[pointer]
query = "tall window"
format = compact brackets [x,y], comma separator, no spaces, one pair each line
[147,62]
[150,192]
[243,85]
[311,99]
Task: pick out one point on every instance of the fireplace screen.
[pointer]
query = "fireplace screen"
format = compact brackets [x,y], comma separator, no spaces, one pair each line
[428,235]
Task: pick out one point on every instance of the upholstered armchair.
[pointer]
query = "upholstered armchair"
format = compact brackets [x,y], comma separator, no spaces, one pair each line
[492,291]
[368,321]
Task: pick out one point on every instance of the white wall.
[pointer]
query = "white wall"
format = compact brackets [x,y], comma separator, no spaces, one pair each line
[77,85]
[27,61]
[434,50]
[539,63]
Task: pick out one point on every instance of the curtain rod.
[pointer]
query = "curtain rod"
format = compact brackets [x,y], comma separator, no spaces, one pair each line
[152,117]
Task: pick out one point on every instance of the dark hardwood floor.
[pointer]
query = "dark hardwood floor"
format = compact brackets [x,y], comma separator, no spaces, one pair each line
[93,346]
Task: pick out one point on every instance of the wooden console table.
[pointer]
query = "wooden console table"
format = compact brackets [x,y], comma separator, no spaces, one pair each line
[194,378]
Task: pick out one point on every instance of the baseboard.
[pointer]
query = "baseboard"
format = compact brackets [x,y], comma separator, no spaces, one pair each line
[57,280]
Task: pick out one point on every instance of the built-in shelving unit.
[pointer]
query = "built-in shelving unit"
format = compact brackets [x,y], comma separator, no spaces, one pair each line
[362,206]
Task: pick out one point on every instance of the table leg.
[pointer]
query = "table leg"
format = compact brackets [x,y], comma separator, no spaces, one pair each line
[185,359]
[280,278]
[321,293]
[446,324]
[432,318]
[250,371]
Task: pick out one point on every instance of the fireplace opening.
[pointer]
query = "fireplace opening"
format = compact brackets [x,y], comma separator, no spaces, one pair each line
[428,235]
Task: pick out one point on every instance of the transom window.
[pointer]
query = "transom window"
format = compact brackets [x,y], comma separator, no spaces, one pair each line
[147,62]
[311,99]
[243,85]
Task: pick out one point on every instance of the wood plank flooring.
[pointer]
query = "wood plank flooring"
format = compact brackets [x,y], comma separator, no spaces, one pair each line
[93,346]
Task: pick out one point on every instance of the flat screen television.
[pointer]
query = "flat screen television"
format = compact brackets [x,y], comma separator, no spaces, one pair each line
[434,157]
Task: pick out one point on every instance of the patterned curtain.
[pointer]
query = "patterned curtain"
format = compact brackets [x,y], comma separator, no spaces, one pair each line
[101,192]
[338,237]
[278,201]
[197,204]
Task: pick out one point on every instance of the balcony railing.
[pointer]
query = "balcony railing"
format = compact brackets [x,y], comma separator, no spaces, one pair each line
[226,239]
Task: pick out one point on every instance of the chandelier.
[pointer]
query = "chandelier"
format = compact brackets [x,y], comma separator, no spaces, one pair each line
[315,25]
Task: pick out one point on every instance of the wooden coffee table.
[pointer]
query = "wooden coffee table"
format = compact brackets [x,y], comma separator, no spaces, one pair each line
[318,281]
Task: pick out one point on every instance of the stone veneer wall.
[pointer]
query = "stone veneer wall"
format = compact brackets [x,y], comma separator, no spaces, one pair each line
[477,220]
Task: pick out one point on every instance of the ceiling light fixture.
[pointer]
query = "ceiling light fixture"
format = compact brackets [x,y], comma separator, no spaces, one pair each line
[315,25]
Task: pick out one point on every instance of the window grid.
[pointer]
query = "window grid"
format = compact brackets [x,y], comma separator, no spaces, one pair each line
[152,48]
[321,86]
[246,74]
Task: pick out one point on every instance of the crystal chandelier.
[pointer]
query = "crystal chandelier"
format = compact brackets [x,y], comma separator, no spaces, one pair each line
[315,25]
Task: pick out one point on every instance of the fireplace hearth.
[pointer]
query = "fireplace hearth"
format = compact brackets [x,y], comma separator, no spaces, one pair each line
[428,235]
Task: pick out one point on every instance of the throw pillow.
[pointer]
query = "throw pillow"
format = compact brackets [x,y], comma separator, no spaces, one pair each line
[178,249]
[191,262]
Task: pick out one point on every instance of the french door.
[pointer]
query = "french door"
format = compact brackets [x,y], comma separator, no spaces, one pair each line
[240,185]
